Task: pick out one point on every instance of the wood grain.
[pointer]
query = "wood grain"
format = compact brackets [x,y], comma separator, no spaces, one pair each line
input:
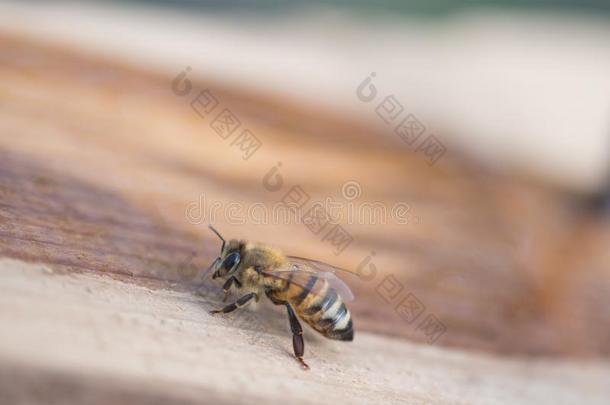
[92,339]
[99,163]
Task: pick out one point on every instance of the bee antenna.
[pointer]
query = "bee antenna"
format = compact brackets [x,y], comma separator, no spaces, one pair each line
[219,235]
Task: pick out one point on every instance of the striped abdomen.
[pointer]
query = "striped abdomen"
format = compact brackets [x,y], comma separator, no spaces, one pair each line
[316,303]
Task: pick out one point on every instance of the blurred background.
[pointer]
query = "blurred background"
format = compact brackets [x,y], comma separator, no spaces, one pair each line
[471,139]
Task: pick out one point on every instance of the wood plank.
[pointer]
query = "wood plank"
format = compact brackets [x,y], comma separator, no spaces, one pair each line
[92,339]
[99,164]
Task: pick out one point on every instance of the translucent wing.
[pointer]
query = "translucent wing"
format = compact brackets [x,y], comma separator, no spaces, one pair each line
[319,266]
[300,271]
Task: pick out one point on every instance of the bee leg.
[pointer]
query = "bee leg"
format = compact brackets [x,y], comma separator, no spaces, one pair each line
[242,301]
[227,286]
[298,344]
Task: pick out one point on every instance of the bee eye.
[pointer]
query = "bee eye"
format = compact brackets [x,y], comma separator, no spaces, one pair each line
[231,261]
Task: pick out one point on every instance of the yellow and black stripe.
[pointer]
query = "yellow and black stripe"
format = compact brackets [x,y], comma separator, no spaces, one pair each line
[316,302]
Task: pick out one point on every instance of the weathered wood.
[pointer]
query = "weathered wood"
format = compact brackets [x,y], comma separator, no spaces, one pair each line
[99,164]
[92,339]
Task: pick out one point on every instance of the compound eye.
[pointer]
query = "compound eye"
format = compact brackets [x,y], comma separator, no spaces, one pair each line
[231,261]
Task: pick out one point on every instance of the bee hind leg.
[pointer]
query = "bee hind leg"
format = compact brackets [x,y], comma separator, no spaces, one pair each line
[298,344]
[241,302]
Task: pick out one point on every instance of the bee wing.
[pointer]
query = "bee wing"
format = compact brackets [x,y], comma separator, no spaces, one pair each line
[300,272]
[319,266]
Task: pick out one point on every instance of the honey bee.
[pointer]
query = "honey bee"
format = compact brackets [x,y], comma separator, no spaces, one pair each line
[306,288]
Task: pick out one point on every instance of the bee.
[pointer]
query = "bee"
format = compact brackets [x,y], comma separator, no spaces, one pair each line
[306,288]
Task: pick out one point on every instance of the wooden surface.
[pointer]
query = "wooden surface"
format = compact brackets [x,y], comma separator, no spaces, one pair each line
[92,339]
[99,163]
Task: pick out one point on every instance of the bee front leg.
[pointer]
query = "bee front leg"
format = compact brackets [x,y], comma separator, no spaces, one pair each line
[241,302]
[298,344]
[227,287]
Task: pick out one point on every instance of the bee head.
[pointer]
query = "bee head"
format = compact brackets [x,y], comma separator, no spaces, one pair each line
[226,264]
